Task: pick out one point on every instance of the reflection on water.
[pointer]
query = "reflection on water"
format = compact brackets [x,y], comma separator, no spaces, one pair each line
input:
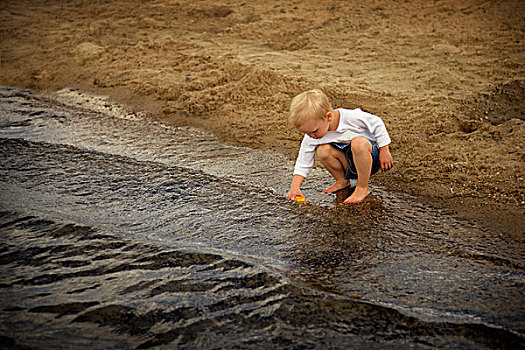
[121,232]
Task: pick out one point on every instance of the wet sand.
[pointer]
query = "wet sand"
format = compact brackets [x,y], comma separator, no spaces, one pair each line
[445,76]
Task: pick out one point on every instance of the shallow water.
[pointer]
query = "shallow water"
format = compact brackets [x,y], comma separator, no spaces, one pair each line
[121,232]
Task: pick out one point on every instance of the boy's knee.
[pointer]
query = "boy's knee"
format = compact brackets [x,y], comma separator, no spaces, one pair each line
[361,144]
[324,151]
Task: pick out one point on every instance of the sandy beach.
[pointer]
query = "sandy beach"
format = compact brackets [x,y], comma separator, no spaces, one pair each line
[447,77]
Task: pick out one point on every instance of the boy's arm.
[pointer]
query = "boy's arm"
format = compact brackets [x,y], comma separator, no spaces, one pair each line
[303,164]
[377,128]
[374,125]
[385,158]
[295,187]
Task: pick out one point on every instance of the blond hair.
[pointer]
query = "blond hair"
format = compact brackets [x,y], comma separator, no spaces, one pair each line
[312,104]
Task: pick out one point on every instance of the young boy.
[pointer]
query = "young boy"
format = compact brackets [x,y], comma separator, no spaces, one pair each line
[351,144]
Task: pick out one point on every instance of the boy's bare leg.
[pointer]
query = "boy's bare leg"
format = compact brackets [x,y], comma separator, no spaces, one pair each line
[336,163]
[362,154]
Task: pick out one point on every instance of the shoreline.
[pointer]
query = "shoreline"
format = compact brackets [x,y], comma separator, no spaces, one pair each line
[499,219]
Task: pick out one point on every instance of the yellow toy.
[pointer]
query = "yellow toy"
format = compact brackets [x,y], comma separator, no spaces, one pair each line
[300,199]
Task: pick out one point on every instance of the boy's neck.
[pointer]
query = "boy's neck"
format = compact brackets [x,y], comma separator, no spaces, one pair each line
[334,123]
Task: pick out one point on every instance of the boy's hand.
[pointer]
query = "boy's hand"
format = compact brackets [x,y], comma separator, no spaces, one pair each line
[295,188]
[294,193]
[385,158]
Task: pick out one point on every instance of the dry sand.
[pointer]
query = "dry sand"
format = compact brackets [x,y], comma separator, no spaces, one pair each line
[447,77]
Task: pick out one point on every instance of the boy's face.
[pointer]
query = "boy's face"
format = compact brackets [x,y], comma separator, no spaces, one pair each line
[315,127]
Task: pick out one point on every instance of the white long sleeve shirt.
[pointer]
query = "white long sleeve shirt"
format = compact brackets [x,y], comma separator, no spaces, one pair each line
[352,123]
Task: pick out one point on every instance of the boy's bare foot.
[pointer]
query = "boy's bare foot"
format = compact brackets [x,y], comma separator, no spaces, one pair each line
[358,196]
[338,185]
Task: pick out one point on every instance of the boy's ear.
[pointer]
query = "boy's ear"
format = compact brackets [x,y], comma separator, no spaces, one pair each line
[329,116]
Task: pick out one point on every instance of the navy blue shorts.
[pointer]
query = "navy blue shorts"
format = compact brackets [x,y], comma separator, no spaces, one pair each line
[351,172]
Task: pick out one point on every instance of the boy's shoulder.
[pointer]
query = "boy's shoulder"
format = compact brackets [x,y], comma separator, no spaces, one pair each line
[349,113]
[350,110]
